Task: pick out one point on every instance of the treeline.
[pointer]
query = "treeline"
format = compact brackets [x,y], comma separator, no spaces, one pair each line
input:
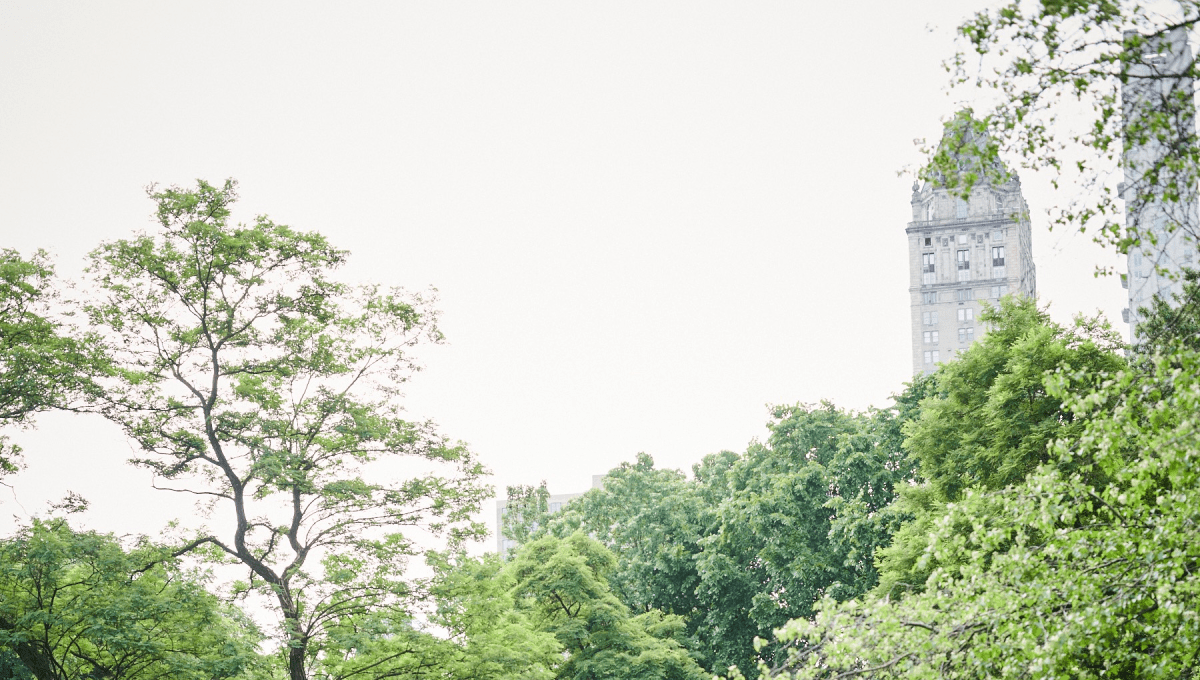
[1028,509]
[1025,507]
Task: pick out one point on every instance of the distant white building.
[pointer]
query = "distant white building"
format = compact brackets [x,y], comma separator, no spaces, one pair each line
[1168,229]
[556,503]
[961,252]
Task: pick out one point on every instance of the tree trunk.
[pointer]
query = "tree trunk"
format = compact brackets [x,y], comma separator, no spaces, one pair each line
[296,661]
[37,662]
[297,641]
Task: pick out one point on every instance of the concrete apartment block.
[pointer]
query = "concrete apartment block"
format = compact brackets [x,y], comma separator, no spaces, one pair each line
[1168,229]
[962,252]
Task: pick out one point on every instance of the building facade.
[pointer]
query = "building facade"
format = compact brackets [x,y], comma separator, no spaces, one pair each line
[1159,87]
[961,253]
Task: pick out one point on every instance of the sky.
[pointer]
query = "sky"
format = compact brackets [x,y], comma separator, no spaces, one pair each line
[646,221]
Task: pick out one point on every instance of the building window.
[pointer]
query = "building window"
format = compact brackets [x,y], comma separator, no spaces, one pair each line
[929,298]
[929,318]
[962,239]
[932,357]
[928,242]
[997,256]
[964,294]
[931,337]
[999,291]
[930,211]
[997,235]
[961,208]
[966,314]
[966,335]
[964,265]
[928,276]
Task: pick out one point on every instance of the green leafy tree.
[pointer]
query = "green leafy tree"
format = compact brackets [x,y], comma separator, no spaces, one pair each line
[753,539]
[251,378]
[563,582]
[526,510]
[42,365]
[803,518]
[475,631]
[989,421]
[1169,324]
[1087,570]
[76,605]
[652,520]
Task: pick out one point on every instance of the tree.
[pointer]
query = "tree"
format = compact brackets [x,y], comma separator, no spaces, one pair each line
[76,605]
[756,538]
[1087,570]
[526,510]
[1056,73]
[251,378]
[563,583]
[475,631]
[42,366]
[652,520]
[803,518]
[988,421]
[1170,324]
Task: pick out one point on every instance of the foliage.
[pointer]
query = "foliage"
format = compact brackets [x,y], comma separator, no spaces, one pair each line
[1085,571]
[802,520]
[753,539]
[77,605]
[477,607]
[652,520]
[563,583]
[527,508]
[989,420]
[1057,72]
[483,635]
[248,376]
[1168,324]
[42,366]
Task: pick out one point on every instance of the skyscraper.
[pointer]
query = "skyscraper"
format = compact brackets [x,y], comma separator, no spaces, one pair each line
[1160,120]
[962,252]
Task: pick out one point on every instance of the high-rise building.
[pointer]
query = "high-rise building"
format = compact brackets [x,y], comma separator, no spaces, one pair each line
[1158,88]
[962,252]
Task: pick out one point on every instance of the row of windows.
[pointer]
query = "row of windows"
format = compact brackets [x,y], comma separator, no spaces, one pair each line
[963,259]
[964,335]
[965,295]
[931,318]
[963,239]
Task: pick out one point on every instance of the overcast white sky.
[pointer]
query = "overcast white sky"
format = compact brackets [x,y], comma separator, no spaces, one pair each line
[646,220]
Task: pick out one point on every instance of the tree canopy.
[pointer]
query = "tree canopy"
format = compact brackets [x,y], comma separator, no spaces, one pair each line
[249,377]
[43,365]
[77,605]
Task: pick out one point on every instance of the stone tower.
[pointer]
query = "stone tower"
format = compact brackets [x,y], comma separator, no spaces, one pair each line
[1159,83]
[960,253]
